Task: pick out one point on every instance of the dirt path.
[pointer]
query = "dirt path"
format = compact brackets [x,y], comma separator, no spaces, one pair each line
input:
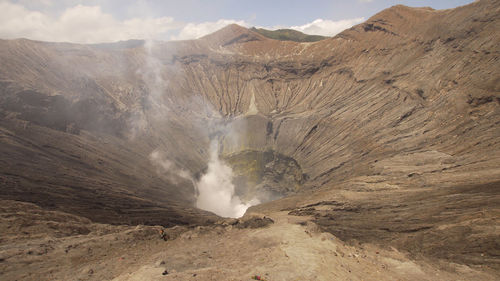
[47,245]
[289,249]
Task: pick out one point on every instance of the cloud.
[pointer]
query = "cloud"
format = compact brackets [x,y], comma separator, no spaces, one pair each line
[90,24]
[79,24]
[365,1]
[327,27]
[197,30]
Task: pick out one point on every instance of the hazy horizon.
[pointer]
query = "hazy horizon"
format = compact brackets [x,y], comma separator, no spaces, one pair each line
[101,21]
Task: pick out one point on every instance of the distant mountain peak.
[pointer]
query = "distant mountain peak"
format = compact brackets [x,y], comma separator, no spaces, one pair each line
[232,34]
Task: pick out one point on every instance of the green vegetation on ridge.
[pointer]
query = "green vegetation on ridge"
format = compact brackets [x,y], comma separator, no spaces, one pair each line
[288,35]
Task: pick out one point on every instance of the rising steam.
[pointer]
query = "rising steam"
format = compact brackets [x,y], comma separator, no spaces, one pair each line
[215,187]
[216,190]
[152,74]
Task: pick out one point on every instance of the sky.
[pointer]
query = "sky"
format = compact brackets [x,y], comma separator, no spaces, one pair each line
[98,21]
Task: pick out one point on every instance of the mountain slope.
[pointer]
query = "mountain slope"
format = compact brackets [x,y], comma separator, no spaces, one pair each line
[288,35]
[396,113]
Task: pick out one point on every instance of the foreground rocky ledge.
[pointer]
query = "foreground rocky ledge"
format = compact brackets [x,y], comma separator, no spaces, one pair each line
[48,245]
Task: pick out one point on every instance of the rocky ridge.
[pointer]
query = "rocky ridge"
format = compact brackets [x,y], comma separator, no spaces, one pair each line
[392,115]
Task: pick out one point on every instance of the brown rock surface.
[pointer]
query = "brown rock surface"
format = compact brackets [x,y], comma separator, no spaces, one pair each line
[56,246]
[388,132]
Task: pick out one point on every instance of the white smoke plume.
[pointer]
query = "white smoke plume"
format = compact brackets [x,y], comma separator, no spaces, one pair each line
[152,74]
[216,190]
[159,159]
[165,165]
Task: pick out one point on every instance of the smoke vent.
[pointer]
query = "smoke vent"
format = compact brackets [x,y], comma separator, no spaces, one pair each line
[244,168]
[266,175]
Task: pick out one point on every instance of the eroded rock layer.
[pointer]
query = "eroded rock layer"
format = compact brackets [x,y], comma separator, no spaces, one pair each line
[408,100]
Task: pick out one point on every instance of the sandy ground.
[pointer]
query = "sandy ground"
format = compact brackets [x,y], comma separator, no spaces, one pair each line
[292,248]
[289,249]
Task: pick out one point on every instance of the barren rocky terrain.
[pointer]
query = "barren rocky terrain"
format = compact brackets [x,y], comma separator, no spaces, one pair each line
[52,245]
[381,146]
